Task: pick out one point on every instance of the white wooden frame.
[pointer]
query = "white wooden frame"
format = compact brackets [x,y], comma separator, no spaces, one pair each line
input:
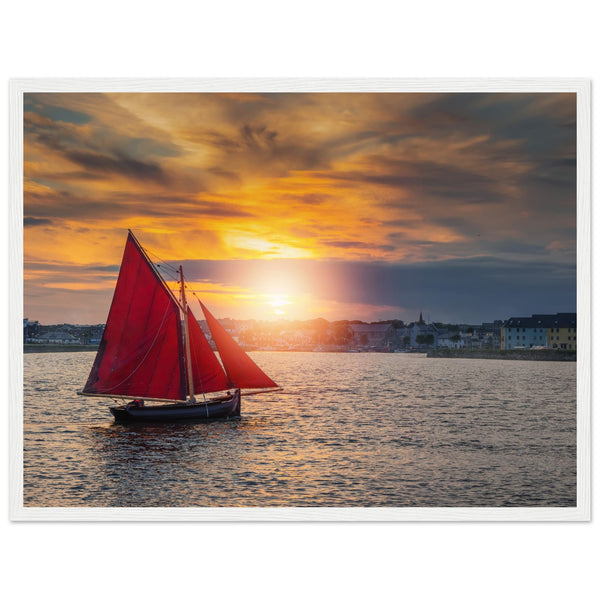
[582,512]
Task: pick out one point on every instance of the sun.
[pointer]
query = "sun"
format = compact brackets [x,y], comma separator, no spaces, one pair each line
[278,301]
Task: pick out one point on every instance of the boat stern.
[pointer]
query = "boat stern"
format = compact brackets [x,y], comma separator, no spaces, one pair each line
[237,410]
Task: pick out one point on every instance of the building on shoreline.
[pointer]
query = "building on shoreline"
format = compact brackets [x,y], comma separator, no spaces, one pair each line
[558,332]
[57,337]
[65,333]
[423,335]
[370,335]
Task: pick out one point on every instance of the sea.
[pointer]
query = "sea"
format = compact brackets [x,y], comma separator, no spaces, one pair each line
[348,430]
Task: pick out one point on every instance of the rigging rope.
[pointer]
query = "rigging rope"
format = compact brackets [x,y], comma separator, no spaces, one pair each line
[164,265]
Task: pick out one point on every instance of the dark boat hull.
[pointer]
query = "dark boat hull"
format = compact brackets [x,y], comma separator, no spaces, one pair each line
[166,413]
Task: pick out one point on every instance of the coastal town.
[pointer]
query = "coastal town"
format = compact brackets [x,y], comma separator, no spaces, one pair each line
[535,332]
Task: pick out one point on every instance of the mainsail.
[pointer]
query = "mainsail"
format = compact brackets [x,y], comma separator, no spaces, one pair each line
[141,352]
[242,371]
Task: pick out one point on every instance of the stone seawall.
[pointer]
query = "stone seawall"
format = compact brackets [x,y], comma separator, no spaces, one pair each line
[556,355]
[31,348]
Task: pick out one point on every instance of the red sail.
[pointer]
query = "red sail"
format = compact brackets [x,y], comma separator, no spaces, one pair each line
[241,369]
[141,350]
[207,372]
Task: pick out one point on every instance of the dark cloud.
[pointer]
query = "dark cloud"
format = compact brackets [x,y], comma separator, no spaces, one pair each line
[118,165]
[557,174]
[102,155]
[71,177]
[258,136]
[225,173]
[104,268]
[35,221]
[313,199]
[426,178]
[72,271]
[350,245]
[467,290]
[63,204]
[543,125]
[259,149]
[309,198]
[499,112]
[56,113]
[469,112]
[142,147]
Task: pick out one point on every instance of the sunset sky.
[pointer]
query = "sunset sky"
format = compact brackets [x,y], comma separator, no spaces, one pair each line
[342,206]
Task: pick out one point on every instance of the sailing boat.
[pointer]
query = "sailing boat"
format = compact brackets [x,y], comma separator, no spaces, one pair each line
[154,353]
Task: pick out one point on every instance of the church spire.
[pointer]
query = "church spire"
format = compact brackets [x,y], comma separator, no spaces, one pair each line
[421,322]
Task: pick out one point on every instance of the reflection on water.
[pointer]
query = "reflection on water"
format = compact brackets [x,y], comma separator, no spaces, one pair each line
[349,430]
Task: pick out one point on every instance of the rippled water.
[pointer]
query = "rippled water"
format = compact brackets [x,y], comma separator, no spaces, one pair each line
[348,430]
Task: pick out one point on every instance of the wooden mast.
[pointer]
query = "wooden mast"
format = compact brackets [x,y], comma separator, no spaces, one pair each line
[186,336]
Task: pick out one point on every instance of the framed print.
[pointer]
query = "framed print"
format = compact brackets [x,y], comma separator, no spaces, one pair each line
[300,300]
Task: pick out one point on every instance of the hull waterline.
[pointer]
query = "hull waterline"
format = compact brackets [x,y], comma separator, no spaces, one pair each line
[200,411]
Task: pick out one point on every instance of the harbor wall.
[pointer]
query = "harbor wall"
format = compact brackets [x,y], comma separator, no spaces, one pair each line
[33,348]
[555,355]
